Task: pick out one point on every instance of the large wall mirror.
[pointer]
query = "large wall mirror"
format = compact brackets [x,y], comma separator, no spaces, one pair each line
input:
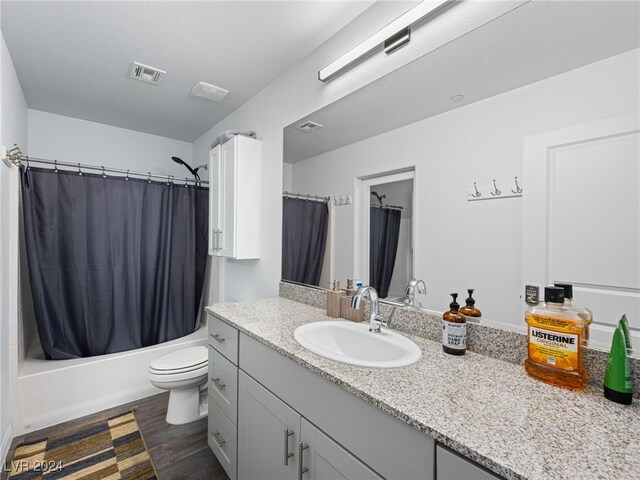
[477,166]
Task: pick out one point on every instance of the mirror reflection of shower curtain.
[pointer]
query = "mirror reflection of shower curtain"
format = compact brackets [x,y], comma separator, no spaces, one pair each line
[304,238]
[383,246]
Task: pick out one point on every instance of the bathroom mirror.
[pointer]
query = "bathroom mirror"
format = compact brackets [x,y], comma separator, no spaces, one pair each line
[476,128]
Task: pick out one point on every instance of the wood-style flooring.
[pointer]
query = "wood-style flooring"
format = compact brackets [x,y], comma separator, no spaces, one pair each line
[179,452]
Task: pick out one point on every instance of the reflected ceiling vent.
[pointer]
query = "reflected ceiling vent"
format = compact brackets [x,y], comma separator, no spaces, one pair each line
[208,91]
[147,74]
[309,126]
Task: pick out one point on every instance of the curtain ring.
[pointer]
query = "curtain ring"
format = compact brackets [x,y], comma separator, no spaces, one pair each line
[104,175]
[28,163]
[186,182]
[149,177]
[127,177]
[79,169]
[55,166]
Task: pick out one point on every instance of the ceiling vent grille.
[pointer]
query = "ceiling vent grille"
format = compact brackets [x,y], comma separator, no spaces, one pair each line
[309,126]
[147,74]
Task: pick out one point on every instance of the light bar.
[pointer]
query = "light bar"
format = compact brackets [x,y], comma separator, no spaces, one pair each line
[413,16]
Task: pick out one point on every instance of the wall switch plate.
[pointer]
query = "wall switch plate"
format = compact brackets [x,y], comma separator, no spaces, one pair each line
[532,294]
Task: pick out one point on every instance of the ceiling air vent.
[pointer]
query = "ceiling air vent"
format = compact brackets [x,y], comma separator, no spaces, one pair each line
[309,126]
[146,73]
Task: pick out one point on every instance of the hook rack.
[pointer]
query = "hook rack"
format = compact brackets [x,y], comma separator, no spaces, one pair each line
[340,200]
[495,190]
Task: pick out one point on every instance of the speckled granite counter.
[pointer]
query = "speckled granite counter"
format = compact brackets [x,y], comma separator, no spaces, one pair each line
[486,409]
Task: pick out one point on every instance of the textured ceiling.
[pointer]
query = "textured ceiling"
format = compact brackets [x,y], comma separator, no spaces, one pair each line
[73,58]
[535,41]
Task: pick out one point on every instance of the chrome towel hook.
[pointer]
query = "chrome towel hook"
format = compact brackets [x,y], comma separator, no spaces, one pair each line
[518,189]
[496,192]
[477,194]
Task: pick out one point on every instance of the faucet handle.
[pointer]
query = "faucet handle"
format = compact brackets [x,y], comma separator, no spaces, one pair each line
[386,320]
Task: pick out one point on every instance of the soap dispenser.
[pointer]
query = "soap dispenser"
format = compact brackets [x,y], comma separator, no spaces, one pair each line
[469,310]
[454,329]
[333,300]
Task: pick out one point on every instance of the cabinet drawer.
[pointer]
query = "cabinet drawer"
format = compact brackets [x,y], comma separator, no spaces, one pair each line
[453,466]
[222,438]
[223,384]
[224,338]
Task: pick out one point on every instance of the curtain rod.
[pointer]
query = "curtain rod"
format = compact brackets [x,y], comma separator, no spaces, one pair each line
[305,196]
[389,207]
[27,159]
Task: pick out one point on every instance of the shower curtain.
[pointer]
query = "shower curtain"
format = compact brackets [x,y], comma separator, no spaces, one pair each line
[384,232]
[304,238]
[115,264]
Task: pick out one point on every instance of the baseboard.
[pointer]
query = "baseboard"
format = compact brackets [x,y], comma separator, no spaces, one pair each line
[6,444]
[78,410]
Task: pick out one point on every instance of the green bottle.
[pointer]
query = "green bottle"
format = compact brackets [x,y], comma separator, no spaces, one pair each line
[617,377]
[624,324]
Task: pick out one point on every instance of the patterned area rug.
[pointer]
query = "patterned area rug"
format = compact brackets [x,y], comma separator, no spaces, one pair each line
[107,450]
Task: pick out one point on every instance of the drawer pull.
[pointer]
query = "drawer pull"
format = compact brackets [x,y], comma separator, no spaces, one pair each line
[287,453]
[301,470]
[218,384]
[217,441]
[217,337]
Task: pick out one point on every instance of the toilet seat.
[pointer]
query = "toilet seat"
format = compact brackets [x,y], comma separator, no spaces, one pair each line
[181,361]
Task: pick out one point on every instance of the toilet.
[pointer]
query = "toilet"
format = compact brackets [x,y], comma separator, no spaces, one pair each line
[184,373]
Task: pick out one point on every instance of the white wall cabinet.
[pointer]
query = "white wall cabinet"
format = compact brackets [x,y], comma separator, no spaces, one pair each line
[234,198]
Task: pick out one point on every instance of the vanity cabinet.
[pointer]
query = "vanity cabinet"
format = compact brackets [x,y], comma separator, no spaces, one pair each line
[222,389]
[234,198]
[452,466]
[275,442]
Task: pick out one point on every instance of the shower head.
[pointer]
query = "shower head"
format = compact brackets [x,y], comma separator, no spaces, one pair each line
[182,162]
[379,197]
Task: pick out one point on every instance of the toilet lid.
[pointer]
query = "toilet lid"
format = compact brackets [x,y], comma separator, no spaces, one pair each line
[185,358]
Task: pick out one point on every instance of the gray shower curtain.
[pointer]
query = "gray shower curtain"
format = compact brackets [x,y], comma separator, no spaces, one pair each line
[114,264]
[383,247]
[304,238]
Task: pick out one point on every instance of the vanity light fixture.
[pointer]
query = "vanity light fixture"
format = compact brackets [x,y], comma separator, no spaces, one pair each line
[393,36]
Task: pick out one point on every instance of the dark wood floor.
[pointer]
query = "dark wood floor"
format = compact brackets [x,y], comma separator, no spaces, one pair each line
[179,452]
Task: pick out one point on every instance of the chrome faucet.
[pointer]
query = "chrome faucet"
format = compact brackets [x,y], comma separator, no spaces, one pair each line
[376,320]
[413,288]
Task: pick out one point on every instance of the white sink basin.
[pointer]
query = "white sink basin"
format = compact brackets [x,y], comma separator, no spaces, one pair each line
[353,343]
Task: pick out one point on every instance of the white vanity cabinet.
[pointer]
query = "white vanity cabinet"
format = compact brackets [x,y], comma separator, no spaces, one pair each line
[234,198]
[275,442]
[452,466]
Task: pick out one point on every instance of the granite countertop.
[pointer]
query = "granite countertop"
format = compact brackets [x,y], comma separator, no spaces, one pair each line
[486,409]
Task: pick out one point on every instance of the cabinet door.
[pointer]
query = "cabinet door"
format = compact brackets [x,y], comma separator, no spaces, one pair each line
[324,459]
[268,432]
[228,198]
[451,466]
[215,200]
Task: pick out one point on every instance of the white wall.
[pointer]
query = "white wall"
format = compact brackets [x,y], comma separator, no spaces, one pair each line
[13,129]
[80,141]
[462,244]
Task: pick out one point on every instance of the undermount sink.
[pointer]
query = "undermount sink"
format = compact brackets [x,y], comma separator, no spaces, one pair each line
[353,343]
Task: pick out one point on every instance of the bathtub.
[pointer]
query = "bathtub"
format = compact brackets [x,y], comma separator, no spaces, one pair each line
[54,391]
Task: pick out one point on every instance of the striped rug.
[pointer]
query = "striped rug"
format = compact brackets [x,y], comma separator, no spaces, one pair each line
[107,450]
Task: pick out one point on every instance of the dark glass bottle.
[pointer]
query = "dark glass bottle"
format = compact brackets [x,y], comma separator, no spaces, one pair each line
[454,329]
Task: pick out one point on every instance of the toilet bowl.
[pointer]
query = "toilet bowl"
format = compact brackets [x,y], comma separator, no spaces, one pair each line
[184,373]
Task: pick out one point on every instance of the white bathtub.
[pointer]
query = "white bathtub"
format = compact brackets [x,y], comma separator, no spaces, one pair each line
[54,391]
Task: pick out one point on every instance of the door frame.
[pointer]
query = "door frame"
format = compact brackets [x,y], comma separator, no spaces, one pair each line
[362,200]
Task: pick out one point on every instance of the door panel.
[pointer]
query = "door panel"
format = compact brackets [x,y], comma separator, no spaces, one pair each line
[262,419]
[228,198]
[581,218]
[215,199]
[326,460]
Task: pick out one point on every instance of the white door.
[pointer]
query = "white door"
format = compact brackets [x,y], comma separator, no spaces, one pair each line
[581,218]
